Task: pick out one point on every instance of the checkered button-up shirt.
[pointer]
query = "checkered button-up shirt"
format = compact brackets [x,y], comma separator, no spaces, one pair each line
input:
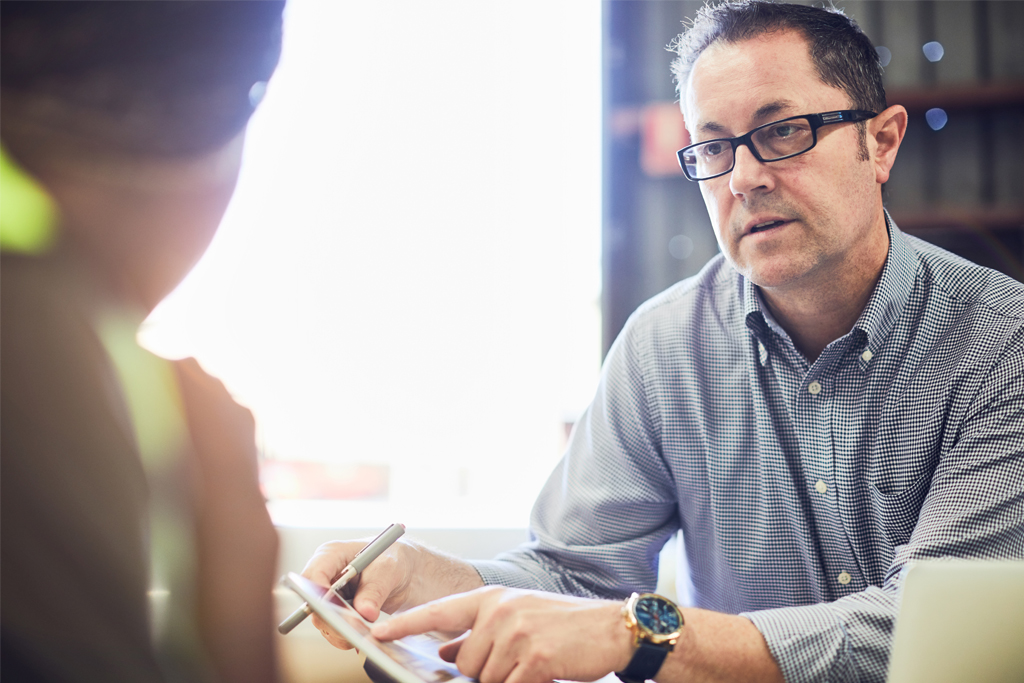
[801,489]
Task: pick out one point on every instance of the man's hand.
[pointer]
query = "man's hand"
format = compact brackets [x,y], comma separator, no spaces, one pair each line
[403,576]
[523,636]
[531,637]
[383,585]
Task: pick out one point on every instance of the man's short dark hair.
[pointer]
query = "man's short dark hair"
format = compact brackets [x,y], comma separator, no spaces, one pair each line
[157,77]
[843,56]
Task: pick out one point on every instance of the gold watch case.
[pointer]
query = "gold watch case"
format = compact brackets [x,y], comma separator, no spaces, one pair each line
[641,632]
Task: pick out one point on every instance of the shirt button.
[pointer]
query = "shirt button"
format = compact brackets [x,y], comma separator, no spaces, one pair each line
[821,486]
[867,355]
[844,578]
[814,388]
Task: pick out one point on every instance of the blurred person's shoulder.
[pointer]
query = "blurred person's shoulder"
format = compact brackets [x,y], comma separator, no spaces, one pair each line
[73,489]
[38,298]
[52,359]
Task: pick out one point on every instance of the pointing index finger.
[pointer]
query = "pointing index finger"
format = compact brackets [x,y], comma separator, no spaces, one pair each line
[453,614]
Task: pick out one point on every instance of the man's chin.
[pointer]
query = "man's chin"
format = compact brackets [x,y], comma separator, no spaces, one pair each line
[772,276]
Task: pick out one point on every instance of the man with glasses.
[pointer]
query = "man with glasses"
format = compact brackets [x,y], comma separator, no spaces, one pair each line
[825,402]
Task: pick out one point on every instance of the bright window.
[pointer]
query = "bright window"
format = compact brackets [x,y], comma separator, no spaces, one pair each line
[405,287]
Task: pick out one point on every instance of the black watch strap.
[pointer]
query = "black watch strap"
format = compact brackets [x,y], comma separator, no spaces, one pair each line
[647,660]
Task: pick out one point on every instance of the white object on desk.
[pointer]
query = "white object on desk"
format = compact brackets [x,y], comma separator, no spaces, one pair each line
[960,620]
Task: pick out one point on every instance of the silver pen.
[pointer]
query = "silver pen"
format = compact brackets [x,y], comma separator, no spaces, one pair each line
[364,557]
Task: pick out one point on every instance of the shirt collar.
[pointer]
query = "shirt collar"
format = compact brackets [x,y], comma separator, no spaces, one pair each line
[883,307]
[892,291]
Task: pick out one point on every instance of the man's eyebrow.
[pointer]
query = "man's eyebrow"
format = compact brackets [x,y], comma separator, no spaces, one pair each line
[763,112]
[711,127]
[771,109]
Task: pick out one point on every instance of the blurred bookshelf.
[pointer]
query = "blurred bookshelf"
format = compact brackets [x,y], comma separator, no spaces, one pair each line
[961,186]
[958,68]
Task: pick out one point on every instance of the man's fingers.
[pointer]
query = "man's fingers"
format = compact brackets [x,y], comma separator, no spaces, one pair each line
[499,670]
[330,634]
[521,636]
[368,600]
[522,674]
[456,613]
[380,586]
[450,650]
[478,659]
[328,561]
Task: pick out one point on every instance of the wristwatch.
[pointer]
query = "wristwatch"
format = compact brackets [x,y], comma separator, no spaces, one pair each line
[656,624]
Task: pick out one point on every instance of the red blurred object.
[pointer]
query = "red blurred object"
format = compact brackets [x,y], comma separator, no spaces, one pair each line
[662,134]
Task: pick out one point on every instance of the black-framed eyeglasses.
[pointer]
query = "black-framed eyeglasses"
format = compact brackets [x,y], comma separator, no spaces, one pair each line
[773,141]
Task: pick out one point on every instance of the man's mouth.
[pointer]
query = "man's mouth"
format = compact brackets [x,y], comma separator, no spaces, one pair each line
[767,225]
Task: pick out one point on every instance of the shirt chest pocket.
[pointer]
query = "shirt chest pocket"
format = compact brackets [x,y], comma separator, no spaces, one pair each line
[902,463]
[896,513]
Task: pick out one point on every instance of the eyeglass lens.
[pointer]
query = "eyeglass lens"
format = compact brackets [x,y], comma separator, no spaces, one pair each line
[774,141]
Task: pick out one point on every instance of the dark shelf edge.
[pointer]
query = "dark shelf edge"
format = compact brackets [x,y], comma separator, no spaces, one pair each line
[959,219]
[967,96]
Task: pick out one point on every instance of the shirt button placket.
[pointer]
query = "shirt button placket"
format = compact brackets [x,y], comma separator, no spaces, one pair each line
[814,388]
[844,578]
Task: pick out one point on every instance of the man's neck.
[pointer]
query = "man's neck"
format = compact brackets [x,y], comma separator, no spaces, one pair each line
[817,313]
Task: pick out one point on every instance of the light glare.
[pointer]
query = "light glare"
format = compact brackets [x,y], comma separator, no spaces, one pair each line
[936,118]
[409,272]
[933,51]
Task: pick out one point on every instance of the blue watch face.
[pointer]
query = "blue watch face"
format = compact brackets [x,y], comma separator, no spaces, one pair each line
[657,616]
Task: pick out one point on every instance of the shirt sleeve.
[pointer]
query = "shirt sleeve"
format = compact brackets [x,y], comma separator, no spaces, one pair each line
[974,509]
[610,504]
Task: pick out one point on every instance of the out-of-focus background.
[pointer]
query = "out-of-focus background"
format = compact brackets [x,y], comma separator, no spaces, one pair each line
[447,211]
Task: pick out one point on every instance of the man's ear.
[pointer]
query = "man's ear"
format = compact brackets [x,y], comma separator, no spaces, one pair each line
[886,133]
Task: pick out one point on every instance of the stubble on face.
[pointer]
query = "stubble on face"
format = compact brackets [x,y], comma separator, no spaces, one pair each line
[823,197]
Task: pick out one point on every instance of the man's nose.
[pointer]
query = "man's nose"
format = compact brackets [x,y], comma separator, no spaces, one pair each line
[748,174]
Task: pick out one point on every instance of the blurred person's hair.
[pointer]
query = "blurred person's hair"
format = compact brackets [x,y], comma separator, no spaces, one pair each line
[843,56]
[154,78]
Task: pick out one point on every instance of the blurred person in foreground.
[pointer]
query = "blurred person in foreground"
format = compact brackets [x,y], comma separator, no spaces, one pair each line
[122,127]
[827,401]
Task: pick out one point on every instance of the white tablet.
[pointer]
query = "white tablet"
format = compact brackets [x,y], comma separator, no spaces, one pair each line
[413,659]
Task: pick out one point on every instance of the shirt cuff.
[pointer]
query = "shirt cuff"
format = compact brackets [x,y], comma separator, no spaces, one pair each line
[809,643]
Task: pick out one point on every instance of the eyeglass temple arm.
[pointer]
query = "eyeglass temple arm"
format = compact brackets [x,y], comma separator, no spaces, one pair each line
[846,115]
